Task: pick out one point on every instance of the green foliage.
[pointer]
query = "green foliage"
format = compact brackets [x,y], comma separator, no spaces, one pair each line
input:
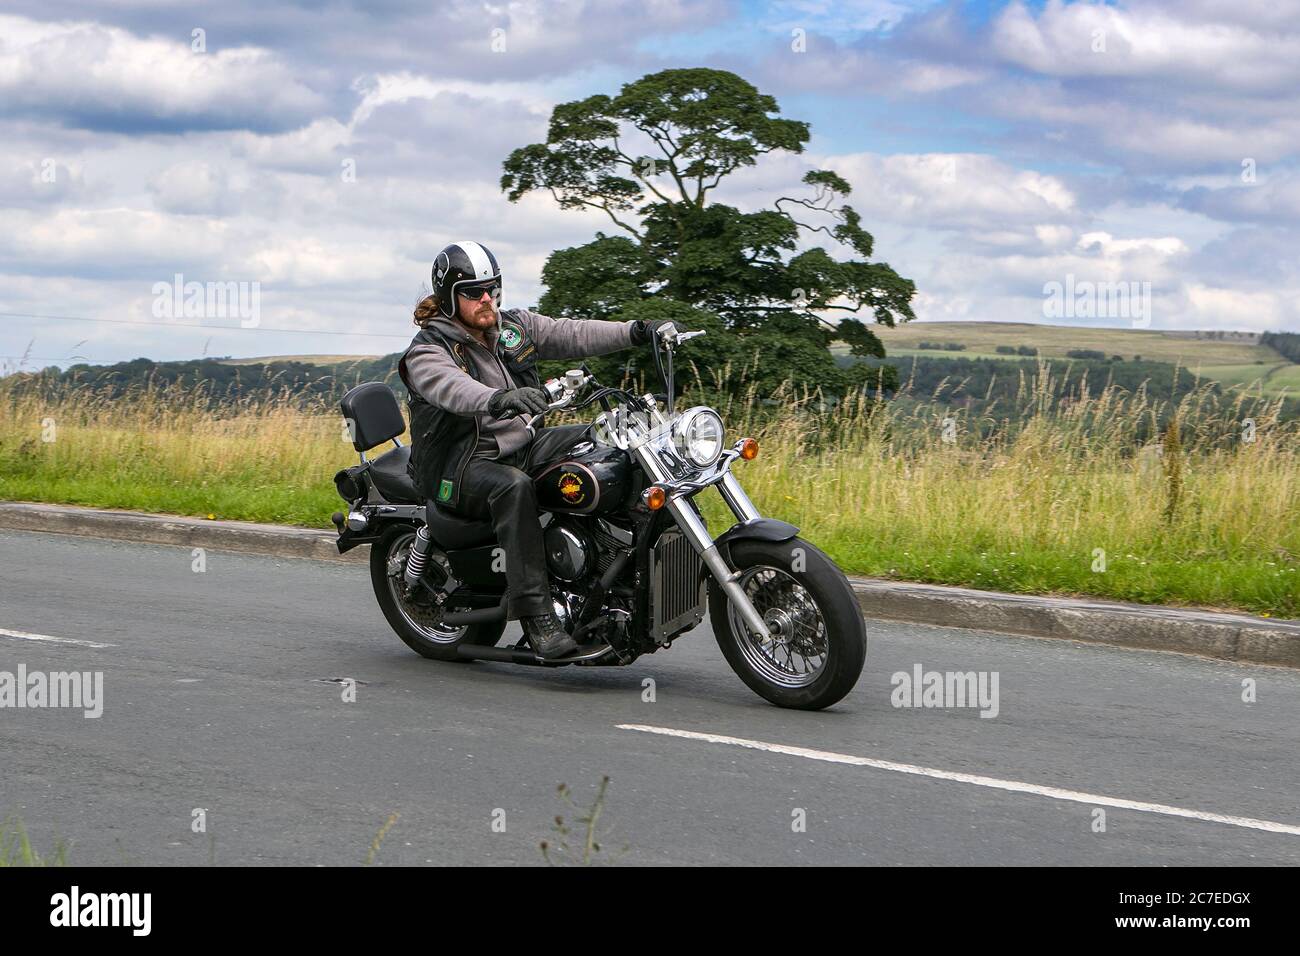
[213,383]
[1286,344]
[648,158]
[16,849]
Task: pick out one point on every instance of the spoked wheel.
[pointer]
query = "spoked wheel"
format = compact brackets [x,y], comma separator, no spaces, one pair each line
[818,642]
[416,617]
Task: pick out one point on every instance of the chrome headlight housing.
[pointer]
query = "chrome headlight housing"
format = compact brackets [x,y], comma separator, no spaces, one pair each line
[698,436]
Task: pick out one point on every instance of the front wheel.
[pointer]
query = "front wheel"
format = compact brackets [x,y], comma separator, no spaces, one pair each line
[417,619]
[818,641]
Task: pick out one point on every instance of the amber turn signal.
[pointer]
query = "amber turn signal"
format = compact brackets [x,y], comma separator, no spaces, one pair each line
[654,497]
[749,449]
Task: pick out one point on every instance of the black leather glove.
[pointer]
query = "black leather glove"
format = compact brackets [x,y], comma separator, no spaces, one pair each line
[642,330]
[509,402]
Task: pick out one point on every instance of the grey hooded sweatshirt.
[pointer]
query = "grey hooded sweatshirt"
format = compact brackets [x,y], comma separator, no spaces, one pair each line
[436,376]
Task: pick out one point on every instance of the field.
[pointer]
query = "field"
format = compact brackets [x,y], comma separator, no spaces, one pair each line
[1067,495]
[1183,348]
[1236,361]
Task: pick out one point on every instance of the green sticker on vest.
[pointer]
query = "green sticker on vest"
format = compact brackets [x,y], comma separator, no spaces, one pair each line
[511,337]
[444,490]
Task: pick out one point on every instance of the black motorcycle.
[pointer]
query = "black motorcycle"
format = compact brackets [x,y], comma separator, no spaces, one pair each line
[629,555]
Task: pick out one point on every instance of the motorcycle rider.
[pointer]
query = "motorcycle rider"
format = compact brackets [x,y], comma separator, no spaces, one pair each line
[472,376]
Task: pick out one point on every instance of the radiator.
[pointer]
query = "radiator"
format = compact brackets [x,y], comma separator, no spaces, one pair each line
[677,592]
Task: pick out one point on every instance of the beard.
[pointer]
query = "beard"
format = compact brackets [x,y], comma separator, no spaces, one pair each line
[483,317]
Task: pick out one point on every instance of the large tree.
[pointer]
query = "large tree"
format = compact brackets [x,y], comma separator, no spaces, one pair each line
[649,158]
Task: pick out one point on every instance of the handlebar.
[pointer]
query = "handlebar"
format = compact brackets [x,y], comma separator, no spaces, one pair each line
[561,391]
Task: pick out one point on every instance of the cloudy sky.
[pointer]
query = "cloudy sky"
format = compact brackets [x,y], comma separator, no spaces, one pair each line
[326,151]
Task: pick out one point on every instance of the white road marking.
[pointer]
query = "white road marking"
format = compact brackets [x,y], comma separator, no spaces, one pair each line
[1015,786]
[45,638]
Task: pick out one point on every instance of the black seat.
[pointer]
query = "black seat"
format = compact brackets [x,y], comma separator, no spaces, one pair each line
[389,474]
[453,531]
[449,529]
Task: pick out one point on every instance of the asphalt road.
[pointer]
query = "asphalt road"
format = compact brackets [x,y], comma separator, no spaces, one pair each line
[217,695]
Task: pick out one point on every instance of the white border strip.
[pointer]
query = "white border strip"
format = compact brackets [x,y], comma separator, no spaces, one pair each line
[45,638]
[1015,786]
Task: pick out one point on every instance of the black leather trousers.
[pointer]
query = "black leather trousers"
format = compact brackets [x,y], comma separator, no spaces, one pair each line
[500,490]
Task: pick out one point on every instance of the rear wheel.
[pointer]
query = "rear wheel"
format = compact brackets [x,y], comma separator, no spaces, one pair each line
[417,618]
[818,641]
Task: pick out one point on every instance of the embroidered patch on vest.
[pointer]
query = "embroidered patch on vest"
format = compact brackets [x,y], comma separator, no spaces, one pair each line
[444,490]
[511,337]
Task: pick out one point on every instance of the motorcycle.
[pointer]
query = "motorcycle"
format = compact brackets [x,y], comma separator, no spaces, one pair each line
[631,561]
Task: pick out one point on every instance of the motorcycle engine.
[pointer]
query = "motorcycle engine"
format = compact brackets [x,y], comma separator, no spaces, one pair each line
[570,555]
[578,551]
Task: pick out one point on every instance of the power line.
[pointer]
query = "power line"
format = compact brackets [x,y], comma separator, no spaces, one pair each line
[208,328]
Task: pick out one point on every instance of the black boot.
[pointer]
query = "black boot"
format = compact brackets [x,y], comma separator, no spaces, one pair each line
[548,638]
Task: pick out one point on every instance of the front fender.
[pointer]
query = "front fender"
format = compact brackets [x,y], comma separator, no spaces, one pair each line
[762,529]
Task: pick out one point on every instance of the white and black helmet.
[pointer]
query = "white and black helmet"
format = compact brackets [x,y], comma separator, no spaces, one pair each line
[464,265]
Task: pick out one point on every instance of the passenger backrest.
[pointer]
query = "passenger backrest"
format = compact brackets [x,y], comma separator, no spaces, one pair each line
[374,415]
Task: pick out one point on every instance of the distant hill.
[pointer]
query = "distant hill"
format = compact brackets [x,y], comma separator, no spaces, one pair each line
[303,359]
[1231,358]
[224,380]
[1054,341]
[963,357]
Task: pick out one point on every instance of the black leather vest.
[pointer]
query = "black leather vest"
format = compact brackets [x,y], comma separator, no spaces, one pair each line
[443,442]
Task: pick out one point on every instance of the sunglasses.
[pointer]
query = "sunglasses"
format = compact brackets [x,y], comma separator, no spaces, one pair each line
[475,292]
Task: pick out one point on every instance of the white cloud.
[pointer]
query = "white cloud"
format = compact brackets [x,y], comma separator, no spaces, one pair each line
[1109,247]
[95,76]
[979,214]
[1211,307]
[1085,39]
[953,190]
[193,186]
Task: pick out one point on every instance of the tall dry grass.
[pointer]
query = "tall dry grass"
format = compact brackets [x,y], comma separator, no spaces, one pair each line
[1059,491]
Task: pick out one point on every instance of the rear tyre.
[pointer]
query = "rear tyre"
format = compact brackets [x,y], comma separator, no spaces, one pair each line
[819,641]
[417,620]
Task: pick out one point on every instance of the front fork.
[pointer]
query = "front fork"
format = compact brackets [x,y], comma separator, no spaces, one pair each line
[702,541]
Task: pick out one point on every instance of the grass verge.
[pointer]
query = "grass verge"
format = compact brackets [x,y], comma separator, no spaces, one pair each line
[1058,493]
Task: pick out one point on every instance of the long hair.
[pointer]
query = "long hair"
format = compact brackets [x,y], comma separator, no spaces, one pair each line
[426,310]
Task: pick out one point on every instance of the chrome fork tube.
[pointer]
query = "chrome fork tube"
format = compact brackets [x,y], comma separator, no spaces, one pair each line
[736,499]
[727,579]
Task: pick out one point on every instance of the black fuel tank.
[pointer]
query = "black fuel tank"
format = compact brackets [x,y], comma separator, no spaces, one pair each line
[587,478]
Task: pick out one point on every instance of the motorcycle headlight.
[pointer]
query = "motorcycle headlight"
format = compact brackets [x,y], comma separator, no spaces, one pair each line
[699,436]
